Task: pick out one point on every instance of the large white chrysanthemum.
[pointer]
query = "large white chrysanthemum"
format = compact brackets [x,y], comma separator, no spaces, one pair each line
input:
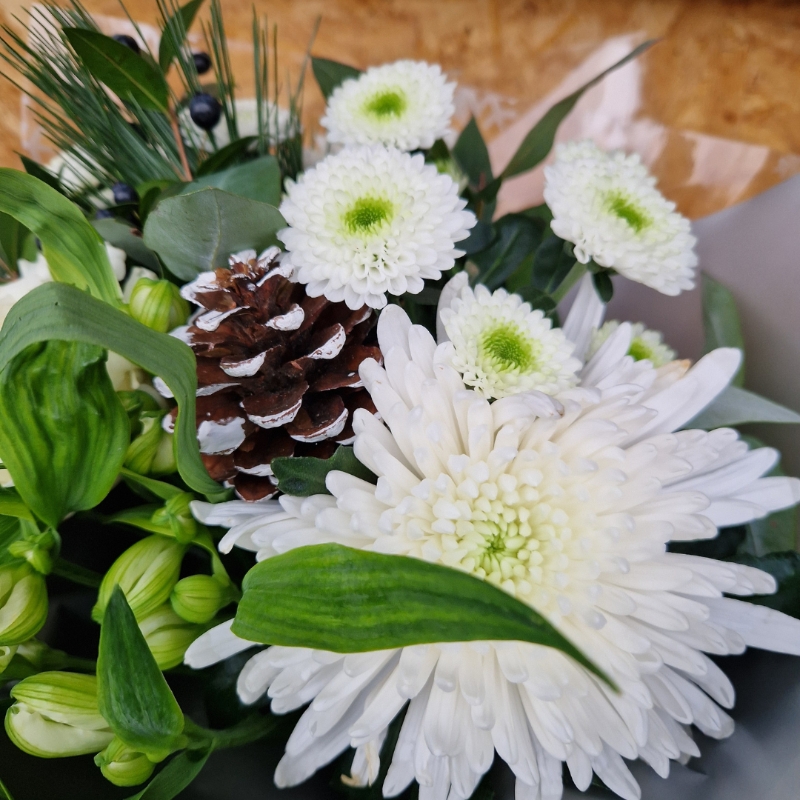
[499,345]
[371,221]
[645,343]
[407,104]
[608,206]
[565,503]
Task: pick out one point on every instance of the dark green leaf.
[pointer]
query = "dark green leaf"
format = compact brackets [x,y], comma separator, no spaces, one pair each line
[480,237]
[74,251]
[181,19]
[13,235]
[10,532]
[128,239]
[352,601]
[516,239]
[259,179]
[429,296]
[439,151]
[552,263]
[197,232]
[721,321]
[4,793]
[305,476]
[63,430]
[539,141]
[44,175]
[785,568]
[724,545]
[131,691]
[537,299]
[226,156]
[56,311]
[737,406]
[129,75]
[472,155]
[603,285]
[541,212]
[12,505]
[160,489]
[330,74]
[176,776]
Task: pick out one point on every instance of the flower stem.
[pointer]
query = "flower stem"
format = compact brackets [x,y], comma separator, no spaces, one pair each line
[187,172]
[76,573]
[573,276]
[248,730]
[80,664]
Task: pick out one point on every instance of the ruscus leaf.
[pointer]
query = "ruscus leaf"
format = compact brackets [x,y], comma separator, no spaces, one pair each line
[330,74]
[516,239]
[721,321]
[304,476]
[182,18]
[737,406]
[552,263]
[226,156]
[352,601]
[472,155]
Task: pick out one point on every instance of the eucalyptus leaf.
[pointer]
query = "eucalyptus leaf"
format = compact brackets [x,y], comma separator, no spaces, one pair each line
[57,311]
[169,44]
[196,232]
[516,239]
[472,155]
[304,475]
[785,568]
[721,322]
[176,776]
[330,74]
[226,156]
[352,601]
[63,430]
[128,74]
[737,406]
[131,691]
[74,251]
[539,140]
[259,179]
[128,239]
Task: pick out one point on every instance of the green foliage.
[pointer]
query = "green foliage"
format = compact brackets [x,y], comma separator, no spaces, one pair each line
[176,776]
[785,568]
[63,431]
[122,235]
[603,285]
[257,180]
[330,74]
[132,694]
[226,156]
[198,231]
[721,322]
[472,155]
[171,39]
[552,263]
[517,239]
[352,601]
[44,175]
[737,406]
[305,476]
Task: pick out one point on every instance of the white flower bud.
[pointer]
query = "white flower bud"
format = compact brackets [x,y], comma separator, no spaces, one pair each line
[199,597]
[56,714]
[123,766]
[168,636]
[158,304]
[23,604]
[151,452]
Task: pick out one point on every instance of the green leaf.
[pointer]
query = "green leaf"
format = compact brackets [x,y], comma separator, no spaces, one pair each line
[352,601]
[480,237]
[226,156]
[56,311]
[472,155]
[785,568]
[721,321]
[603,285]
[63,430]
[259,179]
[44,175]
[142,517]
[304,476]
[127,74]
[128,239]
[330,74]
[176,776]
[737,406]
[181,19]
[161,489]
[4,793]
[131,691]
[538,299]
[552,263]
[539,141]
[13,236]
[197,232]
[74,251]
[12,505]
[10,531]
[516,239]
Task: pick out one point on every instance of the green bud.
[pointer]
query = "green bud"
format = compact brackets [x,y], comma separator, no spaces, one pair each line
[37,548]
[146,573]
[178,515]
[151,452]
[23,604]
[158,304]
[199,597]
[168,636]
[56,714]
[123,766]
[28,658]
[448,166]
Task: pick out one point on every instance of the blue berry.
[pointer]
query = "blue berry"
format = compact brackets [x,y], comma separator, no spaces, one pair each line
[202,62]
[128,41]
[123,193]
[205,111]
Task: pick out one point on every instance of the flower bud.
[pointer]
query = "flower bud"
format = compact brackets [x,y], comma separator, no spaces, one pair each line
[56,714]
[151,453]
[158,304]
[449,166]
[168,636]
[123,766]
[178,515]
[37,548]
[22,660]
[199,597]
[23,604]
[146,573]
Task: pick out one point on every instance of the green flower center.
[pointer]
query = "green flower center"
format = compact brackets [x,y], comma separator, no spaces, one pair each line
[508,348]
[496,541]
[386,104]
[639,350]
[622,207]
[368,214]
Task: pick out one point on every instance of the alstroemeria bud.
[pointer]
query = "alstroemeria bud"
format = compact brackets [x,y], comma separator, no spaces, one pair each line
[123,766]
[146,572]
[199,597]
[28,658]
[168,636]
[56,714]
[37,548]
[23,604]
[158,304]
[151,452]
[178,515]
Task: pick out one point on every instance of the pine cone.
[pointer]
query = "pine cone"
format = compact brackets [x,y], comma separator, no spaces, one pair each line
[277,370]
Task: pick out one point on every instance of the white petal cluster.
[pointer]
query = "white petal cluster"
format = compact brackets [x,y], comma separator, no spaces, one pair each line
[499,345]
[407,104]
[372,221]
[565,503]
[645,343]
[608,206]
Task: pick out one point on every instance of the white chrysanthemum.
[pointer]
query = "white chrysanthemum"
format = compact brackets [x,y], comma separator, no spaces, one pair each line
[407,104]
[499,345]
[371,221]
[567,504]
[608,206]
[645,343]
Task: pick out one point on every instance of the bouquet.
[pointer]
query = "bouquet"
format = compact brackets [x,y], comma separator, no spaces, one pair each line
[317,450]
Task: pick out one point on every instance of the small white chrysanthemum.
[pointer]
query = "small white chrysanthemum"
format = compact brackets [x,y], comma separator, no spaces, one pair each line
[371,221]
[645,343]
[407,104]
[566,503]
[608,206]
[500,346]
